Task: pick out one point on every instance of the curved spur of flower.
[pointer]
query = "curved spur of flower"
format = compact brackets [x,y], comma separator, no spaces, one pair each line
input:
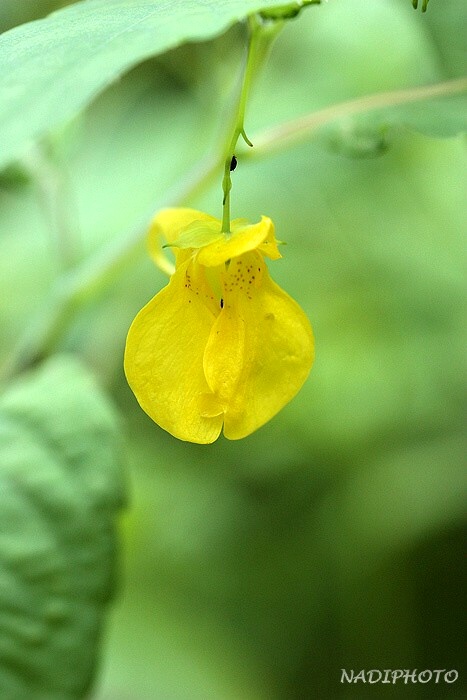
[221,345]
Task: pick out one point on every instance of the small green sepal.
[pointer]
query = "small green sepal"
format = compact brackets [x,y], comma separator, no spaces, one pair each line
[197,235]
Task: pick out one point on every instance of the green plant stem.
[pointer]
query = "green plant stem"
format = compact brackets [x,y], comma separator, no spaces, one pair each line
[54,190]
[238,123]
[261,35]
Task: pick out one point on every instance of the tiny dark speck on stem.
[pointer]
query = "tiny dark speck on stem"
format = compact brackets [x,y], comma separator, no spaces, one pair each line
[233,163]
[222,303]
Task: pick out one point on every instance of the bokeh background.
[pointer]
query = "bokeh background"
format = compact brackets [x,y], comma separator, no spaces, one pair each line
[332,537]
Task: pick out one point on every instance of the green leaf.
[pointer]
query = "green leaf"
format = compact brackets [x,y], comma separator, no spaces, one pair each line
[60,489]
[357,137]
[369,134]
[360,127]
[441,117]
[52,68]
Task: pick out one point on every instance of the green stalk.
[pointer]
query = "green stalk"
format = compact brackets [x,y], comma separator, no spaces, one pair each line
[260,38]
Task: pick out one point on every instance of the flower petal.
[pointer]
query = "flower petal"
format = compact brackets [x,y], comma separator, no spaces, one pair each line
[260,349]
[164,356]
[242,240]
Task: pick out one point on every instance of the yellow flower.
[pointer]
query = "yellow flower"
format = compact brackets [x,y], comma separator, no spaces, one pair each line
[221,344]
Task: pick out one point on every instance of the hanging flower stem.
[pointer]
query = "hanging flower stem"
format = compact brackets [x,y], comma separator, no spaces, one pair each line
[260,37]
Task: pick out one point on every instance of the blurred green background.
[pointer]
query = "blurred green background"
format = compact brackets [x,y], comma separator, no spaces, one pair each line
[332,537]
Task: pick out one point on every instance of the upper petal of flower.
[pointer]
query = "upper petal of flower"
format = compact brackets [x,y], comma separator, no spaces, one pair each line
[243,239]
[260,349]
[164,355]
[167,226]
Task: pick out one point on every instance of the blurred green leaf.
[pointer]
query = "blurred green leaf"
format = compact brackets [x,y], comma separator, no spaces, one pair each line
[369,134]
[362,127]
[441,117]
[53,67]
[60,489]
[356,137]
